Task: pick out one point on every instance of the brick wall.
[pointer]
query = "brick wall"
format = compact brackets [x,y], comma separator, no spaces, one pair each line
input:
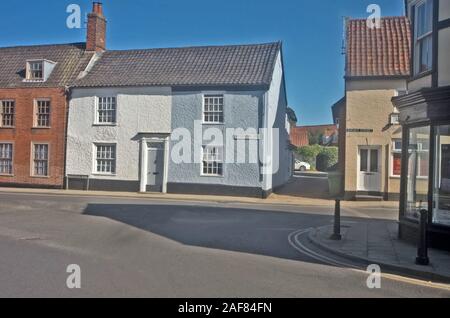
[96,32]
[23,135]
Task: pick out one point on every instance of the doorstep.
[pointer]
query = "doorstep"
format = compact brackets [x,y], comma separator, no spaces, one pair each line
[365,198]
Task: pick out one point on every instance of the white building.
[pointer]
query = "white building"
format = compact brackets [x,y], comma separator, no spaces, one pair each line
[125,108]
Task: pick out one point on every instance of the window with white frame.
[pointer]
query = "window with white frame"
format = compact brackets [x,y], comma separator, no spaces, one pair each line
[213,109]
[419,153]
[212,163]
[35,70]
[105,158]
[106,110]
[421,149]
[423,36]
[40,160]
[6,159]
[42,113]
[7,110]
[397,157]
[394,119]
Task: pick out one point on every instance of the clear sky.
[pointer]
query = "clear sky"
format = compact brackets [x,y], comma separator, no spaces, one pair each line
[311,31]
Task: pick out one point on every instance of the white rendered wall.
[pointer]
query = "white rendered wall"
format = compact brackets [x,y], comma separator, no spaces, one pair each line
[274,117]
[139,110]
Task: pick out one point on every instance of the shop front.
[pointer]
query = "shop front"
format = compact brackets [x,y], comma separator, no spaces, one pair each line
[425,181]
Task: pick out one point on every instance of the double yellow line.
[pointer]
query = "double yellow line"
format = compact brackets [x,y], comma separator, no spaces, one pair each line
[294,241]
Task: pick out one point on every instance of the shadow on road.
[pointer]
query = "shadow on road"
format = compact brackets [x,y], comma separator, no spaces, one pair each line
[234,229]
[306,185]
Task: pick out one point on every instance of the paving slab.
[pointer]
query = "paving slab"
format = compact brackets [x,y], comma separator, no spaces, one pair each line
[376,242]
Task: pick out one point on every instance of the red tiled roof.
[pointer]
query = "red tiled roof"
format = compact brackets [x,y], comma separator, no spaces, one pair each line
[300,134]
[326,130]
[378,52]
[299,137]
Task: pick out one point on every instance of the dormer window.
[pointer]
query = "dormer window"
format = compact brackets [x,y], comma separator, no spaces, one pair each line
[39,70]
[36,71]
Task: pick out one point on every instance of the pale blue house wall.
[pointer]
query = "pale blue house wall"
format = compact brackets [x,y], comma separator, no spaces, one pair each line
[241,110]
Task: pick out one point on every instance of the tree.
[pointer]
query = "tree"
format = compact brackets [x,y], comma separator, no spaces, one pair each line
[315,138]
[319,157]
[309,154]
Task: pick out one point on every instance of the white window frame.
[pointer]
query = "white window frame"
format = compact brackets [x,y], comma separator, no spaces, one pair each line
[95,170]
[418,40]
[394,119]
[33,159]
[395,151]
[213,113]
[30,70]
[11,144]
[206,158]
[2,113]
[37,114]
[97,111]
[421,150]
[399,151]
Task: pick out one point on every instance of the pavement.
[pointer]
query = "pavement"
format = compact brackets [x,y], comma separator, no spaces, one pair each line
[376,242]
[304,190]
[139,246]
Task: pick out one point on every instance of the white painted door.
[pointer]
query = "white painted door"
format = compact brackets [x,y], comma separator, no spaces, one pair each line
[155,167]
[369,169]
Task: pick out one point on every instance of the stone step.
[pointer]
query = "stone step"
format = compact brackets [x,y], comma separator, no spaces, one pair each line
[363,197]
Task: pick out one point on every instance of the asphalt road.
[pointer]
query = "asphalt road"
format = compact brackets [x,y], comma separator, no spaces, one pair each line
[307,185]
[148,248]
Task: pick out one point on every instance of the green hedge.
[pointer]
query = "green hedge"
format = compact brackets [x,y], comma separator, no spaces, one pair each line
[327,158]
[321,158]
[309,154]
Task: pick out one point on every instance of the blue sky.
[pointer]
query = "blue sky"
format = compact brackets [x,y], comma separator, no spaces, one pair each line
[311,32]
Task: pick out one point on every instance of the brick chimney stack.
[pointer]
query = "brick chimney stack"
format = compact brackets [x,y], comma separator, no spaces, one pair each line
[96,29]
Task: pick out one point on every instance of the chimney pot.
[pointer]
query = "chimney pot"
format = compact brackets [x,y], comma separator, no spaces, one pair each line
[97,8]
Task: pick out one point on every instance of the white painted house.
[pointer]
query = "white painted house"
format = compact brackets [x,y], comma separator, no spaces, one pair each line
[134,112]
[128,109]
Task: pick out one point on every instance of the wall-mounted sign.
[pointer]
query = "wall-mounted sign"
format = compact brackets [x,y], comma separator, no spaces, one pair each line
[247,137]
[356,130]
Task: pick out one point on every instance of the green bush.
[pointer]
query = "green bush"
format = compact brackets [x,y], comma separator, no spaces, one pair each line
[309,154]
[327,158]
[321,158]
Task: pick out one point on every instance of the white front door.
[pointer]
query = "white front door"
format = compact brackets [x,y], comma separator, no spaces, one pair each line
[155,167]
[154,162]
[369,169]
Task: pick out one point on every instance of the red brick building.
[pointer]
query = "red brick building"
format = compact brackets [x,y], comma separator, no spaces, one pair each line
[34,95]
[300,136]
